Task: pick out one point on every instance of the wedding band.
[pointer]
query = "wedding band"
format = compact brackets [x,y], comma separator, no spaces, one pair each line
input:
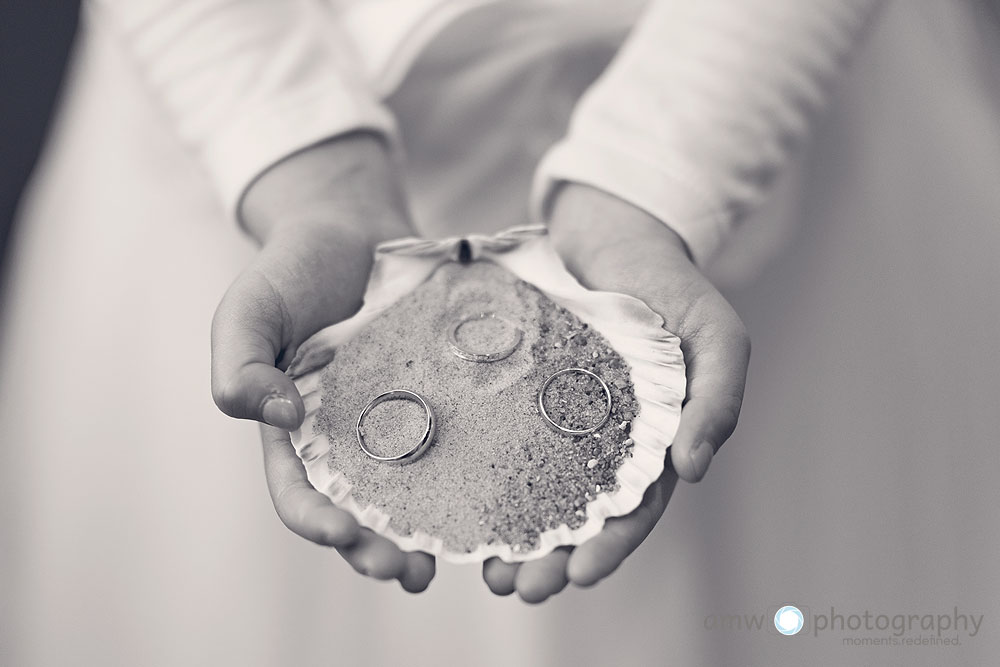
[461,353]
[563,429]
[417,450]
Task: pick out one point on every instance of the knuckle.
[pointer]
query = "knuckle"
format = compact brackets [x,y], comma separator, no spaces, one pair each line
[725,418]
[227,396]
[738,328]
[731,414]
[289,505]
[743,341]
[738,336]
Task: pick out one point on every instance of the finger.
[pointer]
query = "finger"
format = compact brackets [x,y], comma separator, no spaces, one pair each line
[499,576]
[246,341]
[537,580]
[717,355]
[309,513]
[694,445]
[374,556]
[305,511]
[418,571]
[601,555]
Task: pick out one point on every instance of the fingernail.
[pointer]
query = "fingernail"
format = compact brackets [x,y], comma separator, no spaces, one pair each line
[701,456]
[280,412]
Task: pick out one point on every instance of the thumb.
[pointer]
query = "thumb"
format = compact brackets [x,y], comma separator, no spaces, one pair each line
[247,339]
[717,372]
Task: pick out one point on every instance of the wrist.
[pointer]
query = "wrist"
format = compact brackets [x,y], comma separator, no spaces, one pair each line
[586,221]
[345,185]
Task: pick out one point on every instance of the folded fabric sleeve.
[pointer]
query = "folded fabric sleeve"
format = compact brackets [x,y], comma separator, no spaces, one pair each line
[247,83]
[701,106]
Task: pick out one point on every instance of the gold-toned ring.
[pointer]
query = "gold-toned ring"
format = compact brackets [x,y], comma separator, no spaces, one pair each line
[563,429]
[411,455]
[461,353]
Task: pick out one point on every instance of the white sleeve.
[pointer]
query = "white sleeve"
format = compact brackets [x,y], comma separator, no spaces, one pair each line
[699,108]
[247,82]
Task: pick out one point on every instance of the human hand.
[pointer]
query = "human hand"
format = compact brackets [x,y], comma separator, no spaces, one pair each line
[611,245]
[318,216]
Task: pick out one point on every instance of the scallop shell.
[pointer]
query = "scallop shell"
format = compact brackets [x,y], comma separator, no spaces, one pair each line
[629,325]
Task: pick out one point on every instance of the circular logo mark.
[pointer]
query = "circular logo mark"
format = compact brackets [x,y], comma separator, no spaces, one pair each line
[789,620]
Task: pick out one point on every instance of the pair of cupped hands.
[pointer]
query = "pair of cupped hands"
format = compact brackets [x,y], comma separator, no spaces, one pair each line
[318,216]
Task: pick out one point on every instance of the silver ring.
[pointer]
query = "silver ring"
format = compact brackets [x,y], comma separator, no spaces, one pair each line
[461,353]
[563,429]
[425,441]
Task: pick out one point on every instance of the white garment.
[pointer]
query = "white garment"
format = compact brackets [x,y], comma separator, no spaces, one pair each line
[701,106]
[135,528]
[690,122]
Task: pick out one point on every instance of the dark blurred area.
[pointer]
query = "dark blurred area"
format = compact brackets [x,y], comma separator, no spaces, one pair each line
[35,41]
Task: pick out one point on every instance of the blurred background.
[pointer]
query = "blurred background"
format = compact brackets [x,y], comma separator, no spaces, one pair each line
[135,527]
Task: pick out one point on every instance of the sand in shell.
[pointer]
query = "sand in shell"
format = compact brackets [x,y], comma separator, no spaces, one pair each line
[496,471]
